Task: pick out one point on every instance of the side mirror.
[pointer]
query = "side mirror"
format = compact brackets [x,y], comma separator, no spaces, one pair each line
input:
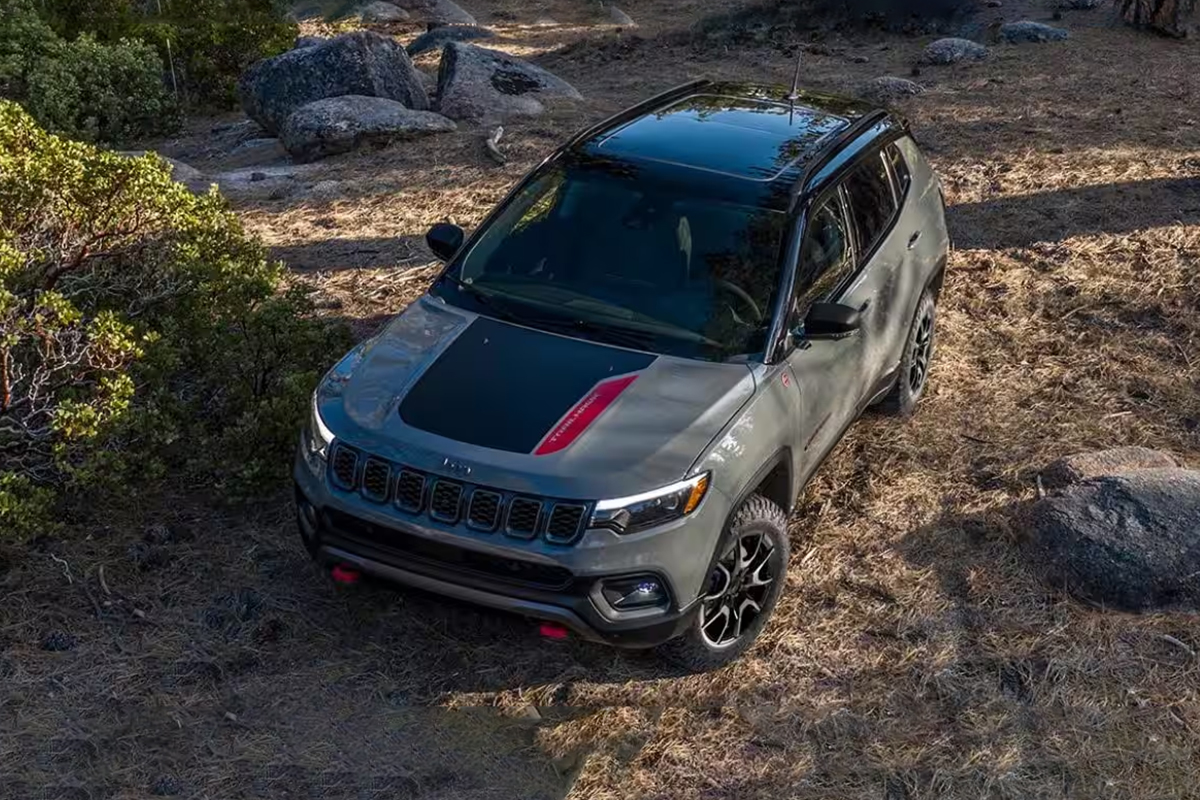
[444,240]
[831,321]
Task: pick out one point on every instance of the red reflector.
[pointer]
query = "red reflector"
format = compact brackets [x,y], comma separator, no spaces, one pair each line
[551,631]
[343,574]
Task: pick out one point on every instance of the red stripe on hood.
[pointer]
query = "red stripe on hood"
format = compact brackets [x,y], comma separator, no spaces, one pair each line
[584,413]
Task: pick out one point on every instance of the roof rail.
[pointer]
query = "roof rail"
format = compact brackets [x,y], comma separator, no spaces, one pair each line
[633,112]
[835,145]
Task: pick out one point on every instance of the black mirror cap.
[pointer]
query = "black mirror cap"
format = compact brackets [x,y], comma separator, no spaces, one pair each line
[444,240]
[831,320]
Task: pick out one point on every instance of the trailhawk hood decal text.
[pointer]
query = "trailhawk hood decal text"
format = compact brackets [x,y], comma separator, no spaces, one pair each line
[585,412]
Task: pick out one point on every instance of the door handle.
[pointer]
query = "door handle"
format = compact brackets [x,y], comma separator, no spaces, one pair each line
[912,240]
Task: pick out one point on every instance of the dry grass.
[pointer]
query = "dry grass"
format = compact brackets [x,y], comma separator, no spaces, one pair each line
[916,653]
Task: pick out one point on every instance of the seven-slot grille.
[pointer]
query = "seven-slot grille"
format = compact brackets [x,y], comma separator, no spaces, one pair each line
[524,513]
[449,501]
[564,522]
[344,467]
[444,500]
[485,510]
[376,477]
[410,491]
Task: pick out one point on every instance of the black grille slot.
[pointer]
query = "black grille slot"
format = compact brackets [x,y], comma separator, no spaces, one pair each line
[485,510]
[410,491]
[564,522]
[439,558]
[376,476]
[344,467]
[443,502]
[523,517]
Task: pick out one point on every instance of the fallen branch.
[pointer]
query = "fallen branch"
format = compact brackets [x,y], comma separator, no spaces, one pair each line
[492,145]
[66,567]
[1169,639]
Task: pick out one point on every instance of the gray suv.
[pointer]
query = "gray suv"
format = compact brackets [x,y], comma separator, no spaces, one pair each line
[603,410]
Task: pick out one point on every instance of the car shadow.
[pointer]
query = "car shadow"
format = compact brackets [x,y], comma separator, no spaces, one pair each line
[1110,208]
[339,254]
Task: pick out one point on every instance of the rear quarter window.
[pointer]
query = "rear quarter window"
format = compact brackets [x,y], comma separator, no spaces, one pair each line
[872,199]
[900,169]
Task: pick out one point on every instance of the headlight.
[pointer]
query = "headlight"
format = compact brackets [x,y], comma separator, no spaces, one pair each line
[646,510]
[319,435]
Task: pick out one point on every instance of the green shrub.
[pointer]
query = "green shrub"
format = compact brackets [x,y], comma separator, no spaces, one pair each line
[143,334]
[82,88]
[206,44]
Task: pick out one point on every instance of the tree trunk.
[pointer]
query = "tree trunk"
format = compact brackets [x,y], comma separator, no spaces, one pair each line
[1165,16]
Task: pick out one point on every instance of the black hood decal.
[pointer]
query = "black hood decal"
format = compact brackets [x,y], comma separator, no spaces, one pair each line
[505,387]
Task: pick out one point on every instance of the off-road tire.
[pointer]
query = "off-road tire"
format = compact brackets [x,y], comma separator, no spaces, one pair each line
[757,516]
[918,356]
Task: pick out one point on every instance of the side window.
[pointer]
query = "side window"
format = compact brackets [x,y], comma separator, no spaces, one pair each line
[871,197]
[899,169]
[826,257]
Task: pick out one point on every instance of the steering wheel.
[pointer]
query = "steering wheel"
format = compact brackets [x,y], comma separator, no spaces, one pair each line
[741,294]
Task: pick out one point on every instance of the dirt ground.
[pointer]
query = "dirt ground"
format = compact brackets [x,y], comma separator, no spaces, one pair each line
[916,653]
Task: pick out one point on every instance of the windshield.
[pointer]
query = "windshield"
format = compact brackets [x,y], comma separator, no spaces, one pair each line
[620,260]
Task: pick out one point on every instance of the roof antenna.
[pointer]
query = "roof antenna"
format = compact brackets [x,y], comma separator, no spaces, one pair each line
[794,95]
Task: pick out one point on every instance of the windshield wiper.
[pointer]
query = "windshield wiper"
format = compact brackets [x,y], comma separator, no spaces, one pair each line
[623,337]
[501,309]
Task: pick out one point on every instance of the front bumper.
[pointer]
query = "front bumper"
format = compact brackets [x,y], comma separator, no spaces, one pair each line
[532,578]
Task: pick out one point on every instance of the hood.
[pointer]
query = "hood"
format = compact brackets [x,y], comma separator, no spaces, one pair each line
[526,410]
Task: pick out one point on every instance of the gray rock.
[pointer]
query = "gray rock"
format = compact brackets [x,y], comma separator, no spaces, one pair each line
[341,124]
[438,37]
[189,176]
[326,190]
[1130,541]
[431,85]
[265,150]
[359,63]
[256,184]
[1081,5]
[953,50]
[618,17]
[1084,466]
[437,12]
[229,135]
[308,41]
[887,88]
[382,11]
[1028,31]
[487,86]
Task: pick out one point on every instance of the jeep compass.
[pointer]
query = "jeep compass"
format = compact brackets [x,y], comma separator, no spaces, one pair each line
[603,410]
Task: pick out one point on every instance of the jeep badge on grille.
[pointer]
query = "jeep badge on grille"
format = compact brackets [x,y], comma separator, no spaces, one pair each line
[456,468]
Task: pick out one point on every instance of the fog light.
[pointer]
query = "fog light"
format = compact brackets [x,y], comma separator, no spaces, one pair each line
[639,591]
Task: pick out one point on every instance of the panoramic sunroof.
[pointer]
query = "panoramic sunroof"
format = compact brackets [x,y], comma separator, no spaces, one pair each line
[741,137]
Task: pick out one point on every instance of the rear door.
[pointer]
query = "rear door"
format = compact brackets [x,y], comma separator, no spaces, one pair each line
[877,283]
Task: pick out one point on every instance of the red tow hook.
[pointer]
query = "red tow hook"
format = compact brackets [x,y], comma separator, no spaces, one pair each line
[550,630]
[345,574]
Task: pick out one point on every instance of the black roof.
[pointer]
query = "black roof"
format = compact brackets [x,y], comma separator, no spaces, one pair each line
[748,143]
